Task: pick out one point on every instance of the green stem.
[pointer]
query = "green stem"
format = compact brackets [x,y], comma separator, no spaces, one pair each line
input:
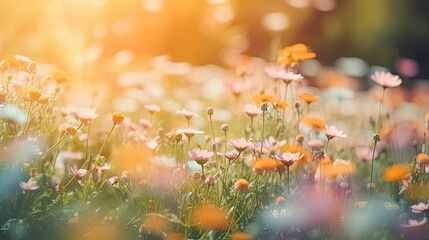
[263,129]
[28,116]
[379,110]
[101,149]
[288,184]
[87,141]
[372,169]
[326,148]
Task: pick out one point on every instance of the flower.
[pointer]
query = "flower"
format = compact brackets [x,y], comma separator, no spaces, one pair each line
[264,164]
[117,118]
[29,186]
[281,104]
[231,155]
[210,181]
[44,99]
[332,132]
[67,128]
[78,173]
[188,114]
[208,217]
[260,98]
[146,124]
[33,94]
[308,98]
[152,108]
[314,122]
[200,156]
[315,144]
[225,127]
[241,236]
[2,97]
[422,158]
[341,168]
[236,87]
[395,173]
[240,144]
[414,223]
[242,184]
[288,158]
[365,153]
[60,76]
[189,132]
[251,110]
[289,77]
[291,55]
[420,208]
[386,79]
[273,69]
[84,114]
[114,182]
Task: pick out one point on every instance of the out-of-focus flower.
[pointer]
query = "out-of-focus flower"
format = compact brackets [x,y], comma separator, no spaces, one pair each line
[386,79]
[187,114]
[154,224]
[415,223]
[225,127]
[341,169]
[242,184]
[281,104]
[200,156]
[361,204]
[273,70]
[420,207]
[2,97]
[152,108]
[208,217]
[365,153]
[313,122]
[241,236]
[117,118]
[288,158]
[67,128]
[315,144]
[236,87]
[422,158]
[78,172]
[291,55]
[260,98]
[113,182]
[44,99]
[251,110]
[29,186]
[395,173]
[289,77]
[308,98]
[210,181]
[60,77]
[332,132]
[33,94]
[264,165]
[84,114]
[230,155]
[405,184]
[240,144]
[146,124]
[188,132]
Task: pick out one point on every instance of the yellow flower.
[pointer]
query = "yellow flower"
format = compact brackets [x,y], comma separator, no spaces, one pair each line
[396,173]
[44,99]
[33,94]
[291,55]
[308,98]
[60,76]
[2,97]
[117,118]
[260,98]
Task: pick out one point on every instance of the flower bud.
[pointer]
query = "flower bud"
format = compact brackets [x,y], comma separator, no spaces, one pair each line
[264,106]
[210,111]
[225,127]
[210,181]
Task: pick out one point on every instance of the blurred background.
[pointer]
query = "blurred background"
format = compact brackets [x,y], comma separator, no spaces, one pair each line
[351,35]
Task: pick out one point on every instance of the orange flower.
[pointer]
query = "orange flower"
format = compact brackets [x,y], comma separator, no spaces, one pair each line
[300,137]
[422,158]
[60,76]
[395,173]
[341,169]
[33,94]
[281,104]
[241,236]
[117,118]
[308,98]
[2,97]
[427,117]
[11,59]
[280,200]
[280,167]
[242,184]
[291,55]
[260,98]
[155,224]
[209,217]
[44,99]
[264,164]
[314,122]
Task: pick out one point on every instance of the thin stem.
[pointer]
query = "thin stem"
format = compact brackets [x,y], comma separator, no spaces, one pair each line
[214,141]
[263,129]
[288,183]
[326,147]
[28,116]
[251,127]
[372,169]
[87,141]
[101,149]
[379,110]
[226,140]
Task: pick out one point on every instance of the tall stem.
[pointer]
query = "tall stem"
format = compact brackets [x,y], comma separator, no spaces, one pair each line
[251,127]
[214,140]
[288,184]
[87,141]
[226,141]
[28,116]
[379,110]
[101,149]
[263,129]
[326,148]
[372,169]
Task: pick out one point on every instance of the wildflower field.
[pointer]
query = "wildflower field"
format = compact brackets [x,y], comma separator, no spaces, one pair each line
[145,147]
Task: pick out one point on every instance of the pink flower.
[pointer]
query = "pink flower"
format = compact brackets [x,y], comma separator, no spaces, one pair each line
[84,114]
[365,153]
[210,181]
[230,155]
[78,173]
[420,208]
[236,87]
[200,156]
[423,167]
[288,158]
[315,143]
[240,144]
[414,223]
[251,110]
[188,114]
[146,124]
[332,132]
[99,170]
[289,77]
[386,79]
[257,148]
[188,132]
[273,70]
[405,184]
[29,186]
[114,182]
[152,108]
